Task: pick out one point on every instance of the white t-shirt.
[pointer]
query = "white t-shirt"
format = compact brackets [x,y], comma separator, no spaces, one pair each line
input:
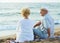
[25,30]
[48,22]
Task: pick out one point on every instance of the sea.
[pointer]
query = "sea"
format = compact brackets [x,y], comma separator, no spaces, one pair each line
[10,14]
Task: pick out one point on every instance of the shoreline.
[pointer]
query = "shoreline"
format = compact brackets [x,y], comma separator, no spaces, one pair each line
[3,39]
[13,33]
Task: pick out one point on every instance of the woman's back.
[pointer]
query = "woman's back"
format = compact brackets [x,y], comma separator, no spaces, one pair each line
[25,30]
[26,25]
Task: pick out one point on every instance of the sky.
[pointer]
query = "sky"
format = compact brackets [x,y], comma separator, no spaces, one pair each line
[29,1]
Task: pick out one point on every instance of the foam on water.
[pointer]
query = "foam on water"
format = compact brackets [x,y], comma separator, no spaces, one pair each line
[6,33]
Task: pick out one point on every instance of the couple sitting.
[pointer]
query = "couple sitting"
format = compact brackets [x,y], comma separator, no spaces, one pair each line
[26,27]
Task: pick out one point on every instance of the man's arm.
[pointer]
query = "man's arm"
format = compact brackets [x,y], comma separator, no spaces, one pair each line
[48,31]
[37,24]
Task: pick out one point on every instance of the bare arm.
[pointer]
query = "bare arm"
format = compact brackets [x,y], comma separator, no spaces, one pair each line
[37,24]
[48,31]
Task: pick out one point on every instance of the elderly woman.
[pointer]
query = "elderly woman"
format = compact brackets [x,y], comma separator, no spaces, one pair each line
[25,27]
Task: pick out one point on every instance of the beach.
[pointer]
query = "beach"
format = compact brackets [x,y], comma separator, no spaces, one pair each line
[3,39]
[10,15]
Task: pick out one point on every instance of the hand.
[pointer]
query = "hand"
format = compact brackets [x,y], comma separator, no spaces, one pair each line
[48,36]
[48,32]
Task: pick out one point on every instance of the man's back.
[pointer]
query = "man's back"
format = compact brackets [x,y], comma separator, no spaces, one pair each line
[50,24]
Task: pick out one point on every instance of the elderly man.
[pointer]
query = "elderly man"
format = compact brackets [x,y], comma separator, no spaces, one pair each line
[46,25]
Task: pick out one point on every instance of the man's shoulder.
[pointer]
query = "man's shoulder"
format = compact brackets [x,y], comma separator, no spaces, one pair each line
[48,16]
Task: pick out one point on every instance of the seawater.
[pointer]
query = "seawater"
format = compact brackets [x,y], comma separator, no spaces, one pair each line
[10,13]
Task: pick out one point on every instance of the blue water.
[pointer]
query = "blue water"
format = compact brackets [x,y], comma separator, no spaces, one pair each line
[10,13]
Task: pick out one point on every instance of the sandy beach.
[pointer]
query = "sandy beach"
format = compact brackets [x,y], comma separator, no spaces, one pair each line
[3,39]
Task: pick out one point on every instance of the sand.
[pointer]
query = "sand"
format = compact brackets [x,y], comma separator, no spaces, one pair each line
[13,36]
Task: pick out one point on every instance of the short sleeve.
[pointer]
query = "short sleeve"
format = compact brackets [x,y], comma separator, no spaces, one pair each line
[48,25]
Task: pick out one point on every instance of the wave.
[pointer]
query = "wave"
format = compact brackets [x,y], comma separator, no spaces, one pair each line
[10,14]
[57,22]
[14,22]
[7,27]
[11,25]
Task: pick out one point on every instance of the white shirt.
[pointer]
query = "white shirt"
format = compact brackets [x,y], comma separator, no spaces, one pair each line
[25,30]
[48,22]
